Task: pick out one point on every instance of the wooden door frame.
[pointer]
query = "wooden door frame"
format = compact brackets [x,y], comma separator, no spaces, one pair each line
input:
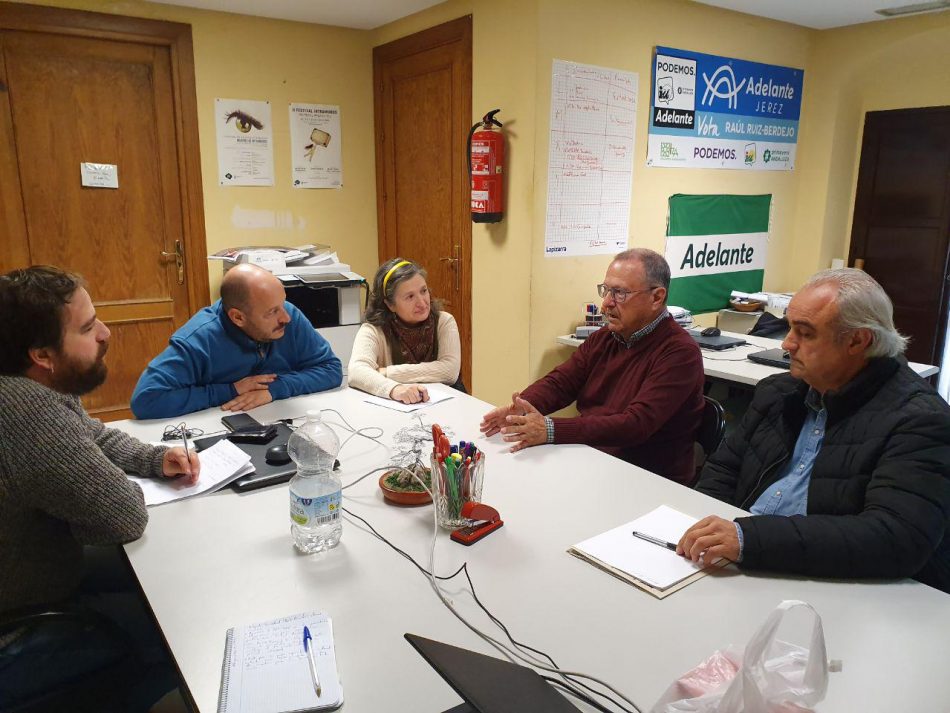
[458,30]
[176,37]
[859,225]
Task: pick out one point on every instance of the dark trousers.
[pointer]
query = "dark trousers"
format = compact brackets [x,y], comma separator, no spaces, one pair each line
[125,667]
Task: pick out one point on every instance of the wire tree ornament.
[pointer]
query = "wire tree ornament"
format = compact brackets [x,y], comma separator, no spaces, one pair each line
[412,446]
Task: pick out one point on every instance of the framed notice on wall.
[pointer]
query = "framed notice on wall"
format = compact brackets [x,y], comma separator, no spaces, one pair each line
[708,111]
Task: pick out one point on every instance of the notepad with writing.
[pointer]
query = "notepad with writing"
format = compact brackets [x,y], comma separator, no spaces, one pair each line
[649,566]
[266,669]
[220,464]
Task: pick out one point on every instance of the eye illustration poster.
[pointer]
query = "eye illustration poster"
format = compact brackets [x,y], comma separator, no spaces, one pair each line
[316,146]
[245,137]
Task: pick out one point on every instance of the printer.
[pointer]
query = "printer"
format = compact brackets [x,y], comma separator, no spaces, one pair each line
[316,282]
[329,299]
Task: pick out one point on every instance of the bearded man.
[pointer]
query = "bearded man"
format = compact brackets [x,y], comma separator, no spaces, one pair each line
[62,473]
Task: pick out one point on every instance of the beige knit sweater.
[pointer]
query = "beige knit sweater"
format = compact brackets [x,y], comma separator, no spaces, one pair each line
[371,365]
[62,486]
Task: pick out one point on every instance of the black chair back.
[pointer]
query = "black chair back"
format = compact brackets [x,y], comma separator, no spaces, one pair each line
[711,431]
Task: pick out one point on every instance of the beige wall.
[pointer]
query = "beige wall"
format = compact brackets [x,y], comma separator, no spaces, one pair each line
[242,57]
[522,300]
[896,64]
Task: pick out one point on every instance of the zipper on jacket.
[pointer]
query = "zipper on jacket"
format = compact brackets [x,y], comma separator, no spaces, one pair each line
[761,478]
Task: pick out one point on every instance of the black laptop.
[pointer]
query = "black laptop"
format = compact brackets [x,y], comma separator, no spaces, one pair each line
[490,685]
[264,473]
[772,357]
[717,343]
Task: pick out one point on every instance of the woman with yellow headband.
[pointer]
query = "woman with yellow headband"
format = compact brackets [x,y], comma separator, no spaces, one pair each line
[407,340]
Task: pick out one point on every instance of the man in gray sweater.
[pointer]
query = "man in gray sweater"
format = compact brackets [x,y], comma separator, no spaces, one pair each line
[62,473]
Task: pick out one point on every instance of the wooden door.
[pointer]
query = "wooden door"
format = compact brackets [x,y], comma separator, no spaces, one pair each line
[85,91]
[901,226]
[423,107]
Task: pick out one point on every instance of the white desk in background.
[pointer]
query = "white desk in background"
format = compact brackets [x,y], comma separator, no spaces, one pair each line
[223,560]
[732,364]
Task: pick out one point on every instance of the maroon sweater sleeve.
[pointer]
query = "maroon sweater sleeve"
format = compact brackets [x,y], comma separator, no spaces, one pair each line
[630,419]
[561,386]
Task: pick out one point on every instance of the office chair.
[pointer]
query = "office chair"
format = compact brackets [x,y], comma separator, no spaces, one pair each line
[711,431]
[99,677]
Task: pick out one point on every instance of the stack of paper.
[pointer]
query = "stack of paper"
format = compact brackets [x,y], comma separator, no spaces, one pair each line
[220,464]
[650,566]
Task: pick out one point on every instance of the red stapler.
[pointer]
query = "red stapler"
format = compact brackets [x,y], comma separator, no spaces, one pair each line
[487,521]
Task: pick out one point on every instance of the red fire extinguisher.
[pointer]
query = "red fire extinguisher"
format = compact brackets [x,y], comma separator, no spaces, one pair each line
[486,164]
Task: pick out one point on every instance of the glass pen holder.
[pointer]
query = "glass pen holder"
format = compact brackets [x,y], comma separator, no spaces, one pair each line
[453,485]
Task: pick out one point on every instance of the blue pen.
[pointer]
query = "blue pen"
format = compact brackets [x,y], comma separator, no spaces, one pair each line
[313,664]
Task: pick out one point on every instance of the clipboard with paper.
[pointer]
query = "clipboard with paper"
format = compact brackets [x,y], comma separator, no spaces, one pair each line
[652,568]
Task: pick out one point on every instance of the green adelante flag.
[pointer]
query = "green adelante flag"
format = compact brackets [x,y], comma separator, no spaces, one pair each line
[716,244]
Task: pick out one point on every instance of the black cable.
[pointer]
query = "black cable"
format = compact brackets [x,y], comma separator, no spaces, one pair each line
[403,552]
[464,569]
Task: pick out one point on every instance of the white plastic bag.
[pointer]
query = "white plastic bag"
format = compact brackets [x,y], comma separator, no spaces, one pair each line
[772,676]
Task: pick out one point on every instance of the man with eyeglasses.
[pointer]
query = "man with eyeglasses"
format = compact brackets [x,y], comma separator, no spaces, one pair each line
[637,382]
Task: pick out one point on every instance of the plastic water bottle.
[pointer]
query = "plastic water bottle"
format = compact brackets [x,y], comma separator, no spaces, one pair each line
[315,491]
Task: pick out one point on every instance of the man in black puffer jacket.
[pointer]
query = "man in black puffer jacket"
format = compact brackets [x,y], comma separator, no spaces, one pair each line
[845,462]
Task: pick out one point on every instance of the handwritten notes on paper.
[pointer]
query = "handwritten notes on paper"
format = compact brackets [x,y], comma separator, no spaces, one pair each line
[590,159]
[220,464]
[266,667]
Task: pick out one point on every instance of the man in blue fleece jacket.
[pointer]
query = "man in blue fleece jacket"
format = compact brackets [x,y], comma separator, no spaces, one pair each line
[247,349]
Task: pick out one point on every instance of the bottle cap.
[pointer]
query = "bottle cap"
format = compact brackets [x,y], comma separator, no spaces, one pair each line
[313,415]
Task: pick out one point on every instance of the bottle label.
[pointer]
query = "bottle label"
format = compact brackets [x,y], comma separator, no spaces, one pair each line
[315,511]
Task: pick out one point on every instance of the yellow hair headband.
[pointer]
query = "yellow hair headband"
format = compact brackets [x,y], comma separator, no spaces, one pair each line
[391,271]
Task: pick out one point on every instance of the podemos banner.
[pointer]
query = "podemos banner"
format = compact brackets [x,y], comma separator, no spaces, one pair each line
[708,111]
[716,244]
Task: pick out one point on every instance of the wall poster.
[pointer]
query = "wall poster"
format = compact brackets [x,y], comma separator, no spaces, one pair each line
[708,111]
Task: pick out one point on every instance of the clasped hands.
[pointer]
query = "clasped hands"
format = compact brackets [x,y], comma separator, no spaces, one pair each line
[409,393]
[253,391]
[520,423]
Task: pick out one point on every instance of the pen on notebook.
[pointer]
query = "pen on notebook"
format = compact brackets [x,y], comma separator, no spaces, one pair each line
[313,664]
[655,540]
[184,440]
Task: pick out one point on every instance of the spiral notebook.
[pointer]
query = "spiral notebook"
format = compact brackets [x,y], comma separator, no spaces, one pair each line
[266,669]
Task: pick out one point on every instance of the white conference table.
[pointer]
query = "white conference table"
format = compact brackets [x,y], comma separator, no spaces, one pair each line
[732,364]
[224,560]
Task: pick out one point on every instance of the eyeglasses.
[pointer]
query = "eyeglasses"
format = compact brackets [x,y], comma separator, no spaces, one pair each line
[618,294]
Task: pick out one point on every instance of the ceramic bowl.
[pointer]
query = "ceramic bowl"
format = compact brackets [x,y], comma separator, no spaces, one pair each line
[402,497]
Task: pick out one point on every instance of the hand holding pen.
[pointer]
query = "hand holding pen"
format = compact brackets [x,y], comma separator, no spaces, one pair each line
[182,461]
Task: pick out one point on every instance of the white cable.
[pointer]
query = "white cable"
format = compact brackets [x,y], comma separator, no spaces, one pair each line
[503,648]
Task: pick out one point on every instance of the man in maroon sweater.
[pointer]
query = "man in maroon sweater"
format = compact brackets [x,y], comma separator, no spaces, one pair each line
[638,382]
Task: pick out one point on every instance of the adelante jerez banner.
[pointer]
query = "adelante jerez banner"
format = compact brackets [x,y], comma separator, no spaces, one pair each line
[708,111]
[716,244]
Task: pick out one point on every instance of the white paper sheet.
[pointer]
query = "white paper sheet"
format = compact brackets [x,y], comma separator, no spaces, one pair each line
[590,159]
[650,563]
[220,464]
[437,393]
